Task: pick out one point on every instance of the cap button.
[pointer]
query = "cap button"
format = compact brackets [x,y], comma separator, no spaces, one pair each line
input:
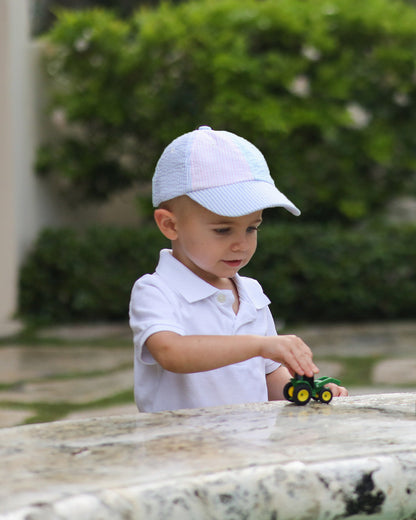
[204,128]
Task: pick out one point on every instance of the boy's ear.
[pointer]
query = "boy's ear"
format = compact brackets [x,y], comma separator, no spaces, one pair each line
[166,222]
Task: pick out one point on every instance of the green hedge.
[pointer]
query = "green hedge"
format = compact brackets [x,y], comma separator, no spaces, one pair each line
[70,276]
[327,273]
[312,272]
[326,90]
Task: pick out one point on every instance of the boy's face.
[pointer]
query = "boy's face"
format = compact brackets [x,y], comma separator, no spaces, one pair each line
[212,246]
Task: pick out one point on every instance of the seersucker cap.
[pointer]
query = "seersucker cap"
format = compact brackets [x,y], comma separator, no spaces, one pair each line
[219,170]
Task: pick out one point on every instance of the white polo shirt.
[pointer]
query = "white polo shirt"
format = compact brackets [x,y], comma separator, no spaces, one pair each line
[175,299]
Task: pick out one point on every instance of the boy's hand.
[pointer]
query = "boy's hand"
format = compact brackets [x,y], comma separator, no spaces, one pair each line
[292,352]
[337,391]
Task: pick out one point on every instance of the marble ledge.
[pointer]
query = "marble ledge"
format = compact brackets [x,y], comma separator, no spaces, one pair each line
[354,458]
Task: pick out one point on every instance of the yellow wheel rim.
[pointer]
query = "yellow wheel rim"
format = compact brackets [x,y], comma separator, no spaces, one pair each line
[290,391]
[326,396]
[303,396]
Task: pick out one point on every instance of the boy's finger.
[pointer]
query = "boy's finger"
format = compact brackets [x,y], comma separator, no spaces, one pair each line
[303,367]
[309,369]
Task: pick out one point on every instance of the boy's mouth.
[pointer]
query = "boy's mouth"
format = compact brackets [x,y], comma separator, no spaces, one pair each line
[233,263]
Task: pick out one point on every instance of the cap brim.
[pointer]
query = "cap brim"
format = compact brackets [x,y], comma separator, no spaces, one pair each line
[242,198]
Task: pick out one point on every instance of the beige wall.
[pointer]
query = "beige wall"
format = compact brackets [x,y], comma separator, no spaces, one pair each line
[8,246]
[27,203]
[24,203]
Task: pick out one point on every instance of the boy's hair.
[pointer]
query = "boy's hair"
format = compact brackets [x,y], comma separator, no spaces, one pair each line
[219,170]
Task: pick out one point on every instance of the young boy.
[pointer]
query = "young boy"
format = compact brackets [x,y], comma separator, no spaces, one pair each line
[204,335]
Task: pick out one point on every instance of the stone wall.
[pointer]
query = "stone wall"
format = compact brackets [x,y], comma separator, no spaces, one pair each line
[354,458]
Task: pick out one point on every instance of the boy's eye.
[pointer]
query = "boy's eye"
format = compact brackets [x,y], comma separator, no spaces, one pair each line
[222,231]
[252,229]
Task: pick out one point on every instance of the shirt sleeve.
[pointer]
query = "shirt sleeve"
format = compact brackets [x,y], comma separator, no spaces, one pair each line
[151,310]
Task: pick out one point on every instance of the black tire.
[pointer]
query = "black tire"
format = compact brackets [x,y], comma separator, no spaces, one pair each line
[302,394]
[288,391]
[325,395]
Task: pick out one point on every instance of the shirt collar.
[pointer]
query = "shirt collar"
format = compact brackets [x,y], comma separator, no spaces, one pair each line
[182,279]
[250,289]
[193,288]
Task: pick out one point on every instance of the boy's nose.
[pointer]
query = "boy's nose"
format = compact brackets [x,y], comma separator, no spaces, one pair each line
[240,245]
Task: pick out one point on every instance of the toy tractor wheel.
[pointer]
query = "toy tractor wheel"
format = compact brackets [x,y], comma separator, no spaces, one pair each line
[302,394]
[288,391]
[325,395]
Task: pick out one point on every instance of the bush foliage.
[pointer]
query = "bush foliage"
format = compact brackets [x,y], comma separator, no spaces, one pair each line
[325,89]
[72,276]
[309,272]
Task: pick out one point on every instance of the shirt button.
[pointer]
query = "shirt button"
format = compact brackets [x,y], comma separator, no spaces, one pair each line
[221,298]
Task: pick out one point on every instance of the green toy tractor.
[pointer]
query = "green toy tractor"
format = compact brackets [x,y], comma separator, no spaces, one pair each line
[301,389]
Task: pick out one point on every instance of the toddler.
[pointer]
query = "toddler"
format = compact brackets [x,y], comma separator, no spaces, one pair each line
[203,334]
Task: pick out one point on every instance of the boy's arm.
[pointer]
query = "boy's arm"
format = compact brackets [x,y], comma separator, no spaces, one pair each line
[198,353]
[276,381]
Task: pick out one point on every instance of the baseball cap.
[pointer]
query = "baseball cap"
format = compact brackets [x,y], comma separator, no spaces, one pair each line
[219,170]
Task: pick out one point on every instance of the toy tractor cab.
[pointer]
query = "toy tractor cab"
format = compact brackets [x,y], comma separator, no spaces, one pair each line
[301,389]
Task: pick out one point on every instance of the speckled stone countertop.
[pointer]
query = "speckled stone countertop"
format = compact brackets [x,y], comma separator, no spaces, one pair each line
[354,458]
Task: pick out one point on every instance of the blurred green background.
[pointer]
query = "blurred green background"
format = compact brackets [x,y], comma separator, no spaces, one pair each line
[325,89]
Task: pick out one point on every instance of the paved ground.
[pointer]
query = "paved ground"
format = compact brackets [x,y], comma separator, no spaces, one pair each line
[77,372]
